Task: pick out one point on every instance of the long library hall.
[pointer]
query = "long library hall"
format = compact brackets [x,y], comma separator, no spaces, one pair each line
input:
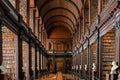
[59,39]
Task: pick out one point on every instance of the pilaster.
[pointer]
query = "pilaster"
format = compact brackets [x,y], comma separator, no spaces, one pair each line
[117,37]
[20,60]
[1,57]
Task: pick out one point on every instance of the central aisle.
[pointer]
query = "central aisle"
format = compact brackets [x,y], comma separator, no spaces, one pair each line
[57,76]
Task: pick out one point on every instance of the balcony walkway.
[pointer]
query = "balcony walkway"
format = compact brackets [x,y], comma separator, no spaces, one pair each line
[58,76]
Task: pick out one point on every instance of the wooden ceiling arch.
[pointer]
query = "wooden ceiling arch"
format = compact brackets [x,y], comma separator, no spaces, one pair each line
[56,8]
[55,23]
[45,2]
[57,16]
[57,11]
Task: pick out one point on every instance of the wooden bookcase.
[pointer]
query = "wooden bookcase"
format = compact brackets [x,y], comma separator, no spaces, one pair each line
[25,58]
[38,60]
[33,58]
[9,51]
[86,57]
[93,51]
[108,52]
[93,58]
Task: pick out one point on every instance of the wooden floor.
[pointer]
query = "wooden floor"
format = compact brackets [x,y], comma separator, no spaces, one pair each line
[58,76]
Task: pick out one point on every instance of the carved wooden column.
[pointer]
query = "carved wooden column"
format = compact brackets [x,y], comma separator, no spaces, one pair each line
[36,71]
[89,58]
[39,60]
[98,56]
[30,58]
[117,37]
[20,60]
[117,41]
[1,57]
[42,61]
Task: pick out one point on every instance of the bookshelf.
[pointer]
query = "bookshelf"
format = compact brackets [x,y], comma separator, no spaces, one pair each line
[41,60]
[38,60]
[85,56]
[108,52]
[23,9]
[9,51]
[93,52]
[25,57]
[33,58]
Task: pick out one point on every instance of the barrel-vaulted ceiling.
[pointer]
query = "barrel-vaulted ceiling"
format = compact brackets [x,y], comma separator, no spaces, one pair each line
[59,13]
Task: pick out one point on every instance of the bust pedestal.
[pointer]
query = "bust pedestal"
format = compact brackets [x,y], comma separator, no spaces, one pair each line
[119,77]
[107,76]
[114,77]
[86,75]
[1,76]
[93,75]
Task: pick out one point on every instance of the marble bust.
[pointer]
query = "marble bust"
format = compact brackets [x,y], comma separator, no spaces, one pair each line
[3,69]
[85,67]
[80,67]
[114,68]
[76,67]
[94,67]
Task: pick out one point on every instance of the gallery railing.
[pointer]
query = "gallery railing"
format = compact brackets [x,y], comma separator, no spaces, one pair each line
[59,51]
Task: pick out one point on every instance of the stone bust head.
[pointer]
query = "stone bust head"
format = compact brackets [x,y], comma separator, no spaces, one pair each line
[114,68]
[94,67]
